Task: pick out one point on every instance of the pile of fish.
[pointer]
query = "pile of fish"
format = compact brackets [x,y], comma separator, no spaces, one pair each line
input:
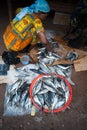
[48,57]
[50,34]
[17,101]
[49,92]
[64,70]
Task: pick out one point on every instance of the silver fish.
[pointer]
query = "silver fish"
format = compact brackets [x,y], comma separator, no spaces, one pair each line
[59,104]
[38,87]
[48,87]
[70,81]
[67,96]
[72,56]
[28,104]
[43,91]
[37,100]
[44,67]
[41,99]
[63,85]
[55,100]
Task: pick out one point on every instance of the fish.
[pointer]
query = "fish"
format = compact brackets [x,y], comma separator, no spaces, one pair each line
[45,60]
[72,56]
[23,98]
[43,91]
[64,67]
[56,83]
[50,88]
[63,85]
[47,100]
[47,57]
[38,87]
[60,91]
[23,87]
[49,92]
[55,100]
[38,71]
[28,105]
[11,87]
[59,71]
[17,85]
[41,99]
[70,81]
[44,67]
[12,98]
[42,48]
[67,94]
[36,99]
[59,104]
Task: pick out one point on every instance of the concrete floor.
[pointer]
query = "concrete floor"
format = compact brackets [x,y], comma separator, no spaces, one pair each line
[74,118]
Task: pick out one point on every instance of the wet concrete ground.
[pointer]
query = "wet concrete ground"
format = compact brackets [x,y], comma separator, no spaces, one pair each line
[74,118]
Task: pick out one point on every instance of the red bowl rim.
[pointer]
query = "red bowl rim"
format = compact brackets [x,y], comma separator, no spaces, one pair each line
[44,109]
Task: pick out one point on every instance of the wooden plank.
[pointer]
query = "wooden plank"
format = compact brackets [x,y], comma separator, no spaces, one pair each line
[81,64]
[81,53]
[61,18]
[62,7]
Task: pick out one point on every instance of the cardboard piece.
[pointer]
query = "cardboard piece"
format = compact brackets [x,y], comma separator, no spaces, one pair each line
[33,54]
[82,55]
[81,64]
[62,62]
